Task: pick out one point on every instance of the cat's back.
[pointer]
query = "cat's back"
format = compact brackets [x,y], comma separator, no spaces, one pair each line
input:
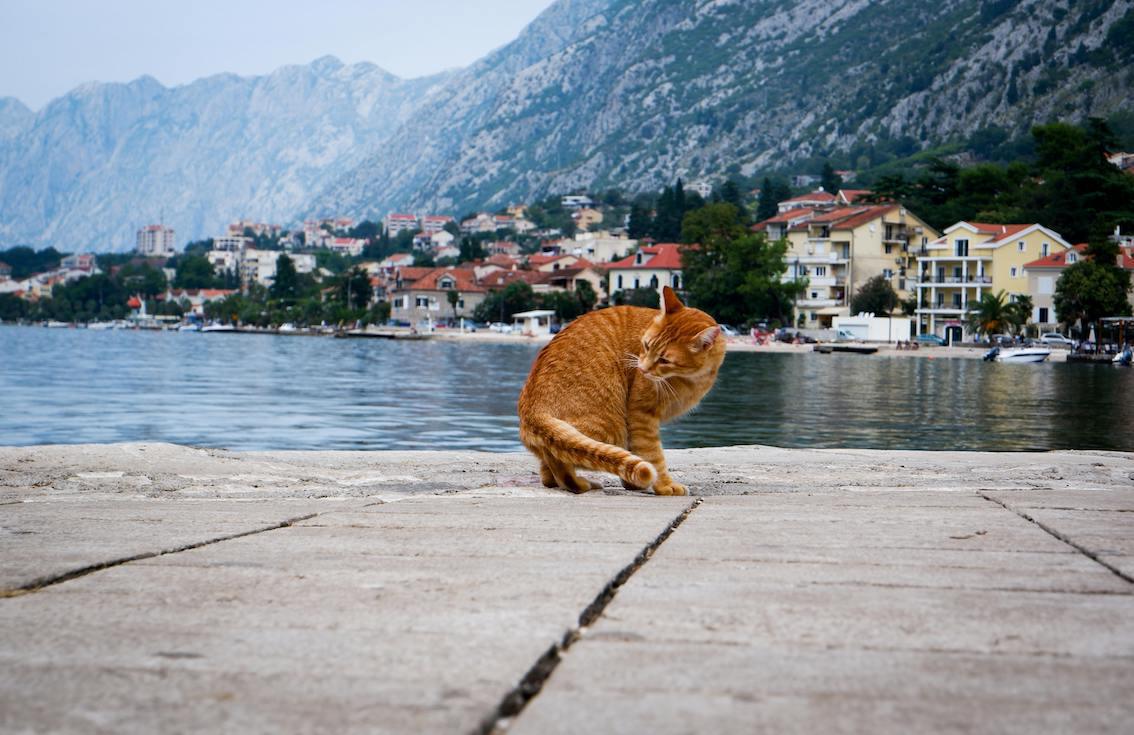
[591,358]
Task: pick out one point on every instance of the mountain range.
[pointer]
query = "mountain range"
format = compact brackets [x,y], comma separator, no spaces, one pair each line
[593,93]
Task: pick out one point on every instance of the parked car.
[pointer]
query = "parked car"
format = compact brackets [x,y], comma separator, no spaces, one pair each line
[930,339]
[729,330]
[500,327]
[1058,340]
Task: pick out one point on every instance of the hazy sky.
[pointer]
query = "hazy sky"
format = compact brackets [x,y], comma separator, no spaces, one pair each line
[48,47]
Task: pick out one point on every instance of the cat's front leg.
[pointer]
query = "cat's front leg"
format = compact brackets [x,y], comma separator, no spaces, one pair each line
[645,441]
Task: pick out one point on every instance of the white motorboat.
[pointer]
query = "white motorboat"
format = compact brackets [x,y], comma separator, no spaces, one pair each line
[1023,354]
[190,327]
[218,328]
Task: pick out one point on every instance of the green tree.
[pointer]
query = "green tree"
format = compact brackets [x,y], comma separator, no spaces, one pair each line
[1019,312]
[671,209]
[772,192]
[876,296]
[730,194]
[733,274]
[1088,291]
[286,283]
[501,305]
[640,222]
[354,289]
[454,298]
[142,279]
[989,315]
[829,180]
[644,296]
[195,271]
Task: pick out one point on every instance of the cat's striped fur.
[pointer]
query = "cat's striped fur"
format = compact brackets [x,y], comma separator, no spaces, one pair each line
[598,393]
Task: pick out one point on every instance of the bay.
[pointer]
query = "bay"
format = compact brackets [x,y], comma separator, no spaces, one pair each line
[265,392]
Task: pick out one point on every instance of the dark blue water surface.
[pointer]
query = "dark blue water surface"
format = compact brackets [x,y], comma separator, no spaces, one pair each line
[243,391]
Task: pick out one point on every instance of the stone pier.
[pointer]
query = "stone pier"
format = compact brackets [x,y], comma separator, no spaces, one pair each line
[155,588]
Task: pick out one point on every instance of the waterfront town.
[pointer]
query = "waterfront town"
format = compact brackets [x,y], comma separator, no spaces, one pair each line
[828,256]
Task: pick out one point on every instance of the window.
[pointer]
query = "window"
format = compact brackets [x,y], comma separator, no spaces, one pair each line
[1012,271]
[961,248]
[889,249]
[1072,258]
[654,281]
[400,302]
[1044,248]
[675,281]
[1042,315]
[887,273]
[820,270]
[460,303]
[421,302]
[1021,246]
[956,301]
[636,283]
[1046,285]
[814,294]
[620,282]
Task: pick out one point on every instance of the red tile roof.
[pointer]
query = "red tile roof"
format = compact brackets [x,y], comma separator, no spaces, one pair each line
[853,195]
[860,217]
[815,196]
[411,273]
[666,255]
[1000,232]
[464,279]
[1055,260]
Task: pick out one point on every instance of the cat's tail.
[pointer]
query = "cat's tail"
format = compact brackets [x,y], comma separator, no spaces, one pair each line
[574,447]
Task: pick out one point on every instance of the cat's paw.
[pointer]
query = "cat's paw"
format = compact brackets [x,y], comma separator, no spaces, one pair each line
[669,488]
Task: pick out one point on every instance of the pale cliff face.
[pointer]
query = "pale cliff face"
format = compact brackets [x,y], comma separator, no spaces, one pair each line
[594,93]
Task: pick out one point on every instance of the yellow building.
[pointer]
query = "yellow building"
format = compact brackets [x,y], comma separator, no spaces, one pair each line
[970,260]
[839,249]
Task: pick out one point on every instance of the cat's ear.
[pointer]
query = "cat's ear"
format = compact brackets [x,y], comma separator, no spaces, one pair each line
[670,303]
[707,338]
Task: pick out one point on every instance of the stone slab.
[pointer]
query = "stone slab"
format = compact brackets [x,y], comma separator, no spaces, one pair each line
[42,540]
[868,619]
[392,619]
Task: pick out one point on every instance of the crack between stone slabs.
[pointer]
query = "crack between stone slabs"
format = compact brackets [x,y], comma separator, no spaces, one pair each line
[514,702]
[1056,534]
[39,584]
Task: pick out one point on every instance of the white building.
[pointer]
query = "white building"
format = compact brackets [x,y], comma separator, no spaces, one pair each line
[260,265]
[395,223]
[652,266]
[601,247]
[155,241]
[576,201]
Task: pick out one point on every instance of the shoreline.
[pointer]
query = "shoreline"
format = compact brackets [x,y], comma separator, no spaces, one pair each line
[734,344]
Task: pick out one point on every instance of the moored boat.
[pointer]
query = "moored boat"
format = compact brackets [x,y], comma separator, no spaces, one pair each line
[1020,354]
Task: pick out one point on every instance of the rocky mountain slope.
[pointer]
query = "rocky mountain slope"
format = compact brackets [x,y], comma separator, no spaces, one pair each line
[656,89]
[629,93]
[92,166]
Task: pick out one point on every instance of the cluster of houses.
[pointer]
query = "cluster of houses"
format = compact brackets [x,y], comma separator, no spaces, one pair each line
[38,286]
[837,242]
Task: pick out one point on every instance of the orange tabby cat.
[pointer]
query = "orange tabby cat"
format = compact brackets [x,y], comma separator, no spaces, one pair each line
[606,383]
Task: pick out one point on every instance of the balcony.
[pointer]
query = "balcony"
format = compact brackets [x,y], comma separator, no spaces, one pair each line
[828,281]
[925,279]
[817,303]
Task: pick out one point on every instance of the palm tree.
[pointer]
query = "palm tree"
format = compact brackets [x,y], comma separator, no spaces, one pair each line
[990,314]
[1019,312]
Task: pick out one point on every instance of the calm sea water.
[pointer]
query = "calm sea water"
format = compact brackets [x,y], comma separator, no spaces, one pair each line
[267,392]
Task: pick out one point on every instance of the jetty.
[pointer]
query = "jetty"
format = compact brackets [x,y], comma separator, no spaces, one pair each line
[159,588]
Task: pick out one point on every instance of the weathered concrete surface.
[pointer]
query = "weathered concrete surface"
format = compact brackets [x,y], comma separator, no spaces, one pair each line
[152,588]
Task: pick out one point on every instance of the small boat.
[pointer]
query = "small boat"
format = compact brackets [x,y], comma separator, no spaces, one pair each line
[1021,354]
[99,326]
[190,327]
[1124,358]
[218,328]
[54,324]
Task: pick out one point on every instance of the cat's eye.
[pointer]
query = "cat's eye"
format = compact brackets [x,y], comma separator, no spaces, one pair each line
[663,360]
